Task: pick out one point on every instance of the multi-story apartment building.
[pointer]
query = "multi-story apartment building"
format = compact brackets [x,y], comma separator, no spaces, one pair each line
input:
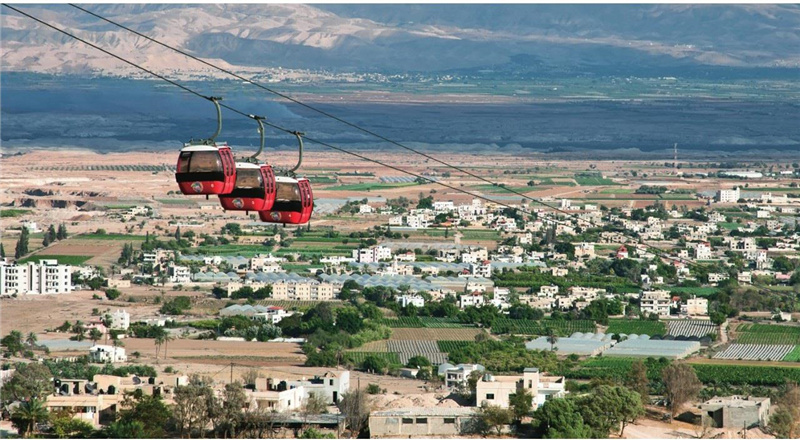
[655,301]
[728,195]
[496,390]
[45,277]
[310,290]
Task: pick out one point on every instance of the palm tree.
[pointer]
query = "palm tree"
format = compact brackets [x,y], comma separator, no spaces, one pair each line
[167,338]
[28,414]
[159,341]
[95,335]
[32,339]
[552,337]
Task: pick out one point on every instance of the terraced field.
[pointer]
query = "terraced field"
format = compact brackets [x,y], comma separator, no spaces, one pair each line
[407,349]
[794,355]
[357,357]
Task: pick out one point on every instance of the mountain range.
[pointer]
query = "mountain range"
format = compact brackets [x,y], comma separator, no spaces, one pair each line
[512,39]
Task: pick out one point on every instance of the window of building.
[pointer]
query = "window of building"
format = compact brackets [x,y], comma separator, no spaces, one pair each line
[408,421]
[449,420]
[422,421]
[490,396]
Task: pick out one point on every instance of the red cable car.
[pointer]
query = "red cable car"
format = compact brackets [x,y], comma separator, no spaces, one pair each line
[254,189]
[205,167]
[294,202]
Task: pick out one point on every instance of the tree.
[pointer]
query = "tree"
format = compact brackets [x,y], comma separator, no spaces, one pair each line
[610,408]
[521,403]
[782,423]
[191,409]
[638,381]
[22,244]
[375,364]
[62,232]
[28,414]
[51,234]
[12,342]
[552,337]
[144,413]
[680,385]
[2,251]
[95,335]
[229,416]
[113,294]
[418,362]
[46,240]
[120,429]
[65,425]
[29,381]
[31,339]
[493,417]
[559,418]
[356,408]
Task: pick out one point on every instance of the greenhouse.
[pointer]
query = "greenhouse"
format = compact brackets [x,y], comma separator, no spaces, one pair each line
[645,347]
[582,344]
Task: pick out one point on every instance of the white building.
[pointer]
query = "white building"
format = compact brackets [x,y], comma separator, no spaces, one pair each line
[457,376]
[695,306]
[482,269]
[44,277]
[475,299]
[179,274]
[310,290]
[414,300]
[119,320]
[703,251]
[496,390]
[107,354]
[373,254]
[728,195]
[655,301]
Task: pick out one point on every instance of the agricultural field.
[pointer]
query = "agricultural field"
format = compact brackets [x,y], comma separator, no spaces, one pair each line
[768,334]
[693,327]
[755,352]
[294,304]
[530,327]
[593,180]
[448,346]
[502,189]
[74,260]
[407,349]
[636,327]
[699,291]
[435,334]
[468,234]
[8,213]
[794,355]
[733,374]
[124,237]
[369,186]
[431,322]
[357,357]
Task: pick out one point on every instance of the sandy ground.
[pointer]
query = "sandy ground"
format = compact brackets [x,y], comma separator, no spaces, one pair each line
[646,428]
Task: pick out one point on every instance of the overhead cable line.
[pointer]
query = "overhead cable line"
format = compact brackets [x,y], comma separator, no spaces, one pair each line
[657,251]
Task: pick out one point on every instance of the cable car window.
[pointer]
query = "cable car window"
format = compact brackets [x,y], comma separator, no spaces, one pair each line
[183,162]
[287,197]
[205,162]
[249,178]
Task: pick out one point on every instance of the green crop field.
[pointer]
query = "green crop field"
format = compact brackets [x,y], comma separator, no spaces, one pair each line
[469,234]
[502,189]
[699,291]
[403,322]
[293,304]
[187,202]
[431,322]
[74,260]
[122,237]
[619,369]
[6,213]
[589,180]
[357,357]
[448,346]
[636,326]
[794,355]
[531,327]
[617,191]
[768,334]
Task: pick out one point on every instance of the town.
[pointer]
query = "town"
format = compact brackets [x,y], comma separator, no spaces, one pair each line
[667,296]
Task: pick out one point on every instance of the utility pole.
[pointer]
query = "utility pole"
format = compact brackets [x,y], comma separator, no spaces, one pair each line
[231,372]
[675,158]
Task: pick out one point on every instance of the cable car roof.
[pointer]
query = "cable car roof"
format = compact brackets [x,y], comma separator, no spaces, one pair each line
[190,147]
[253,166]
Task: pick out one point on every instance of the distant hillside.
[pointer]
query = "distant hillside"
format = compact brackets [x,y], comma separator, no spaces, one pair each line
[528,39]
